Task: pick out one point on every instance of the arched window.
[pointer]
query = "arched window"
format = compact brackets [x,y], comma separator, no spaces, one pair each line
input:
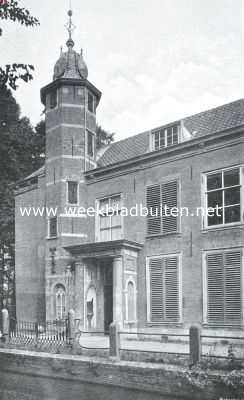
[131,311]
[60,301]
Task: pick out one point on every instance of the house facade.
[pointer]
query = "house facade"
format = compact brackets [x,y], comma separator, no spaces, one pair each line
[94,248]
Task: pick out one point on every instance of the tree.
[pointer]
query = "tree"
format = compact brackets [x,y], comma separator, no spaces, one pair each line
[21,152]
[10,74]
[103,138]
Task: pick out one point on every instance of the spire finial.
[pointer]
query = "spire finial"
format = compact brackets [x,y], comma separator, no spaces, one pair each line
[70,28]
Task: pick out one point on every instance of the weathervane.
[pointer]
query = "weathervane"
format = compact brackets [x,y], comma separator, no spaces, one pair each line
[70,28]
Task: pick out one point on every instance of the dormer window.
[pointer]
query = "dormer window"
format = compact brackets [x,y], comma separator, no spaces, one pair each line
[165,137]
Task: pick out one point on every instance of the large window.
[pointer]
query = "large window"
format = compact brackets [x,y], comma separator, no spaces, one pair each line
[223,194]
[163,287]
[110,220]
[162,203]
[72,192]
[223,287]
[165,137]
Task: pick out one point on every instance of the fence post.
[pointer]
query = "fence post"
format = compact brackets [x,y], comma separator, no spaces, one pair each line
[5,325]
[195,344]
[71,327]
[114,340]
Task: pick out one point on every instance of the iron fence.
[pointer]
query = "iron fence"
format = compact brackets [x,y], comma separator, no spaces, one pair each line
[34,333]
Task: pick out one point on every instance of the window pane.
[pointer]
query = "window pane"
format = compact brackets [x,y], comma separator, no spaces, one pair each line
[116,220]
[53,227]
[104,222]
[232,177]
[232,196]
[53,99]
[116,233]
[105,235]
[232,214]
[103,205]
[90,144]
[215,198]
[72,192]
[175,135]
[115,203]
[156,140]
[90,102]
[169,137]
[162,139]
[214,181]
[216,218]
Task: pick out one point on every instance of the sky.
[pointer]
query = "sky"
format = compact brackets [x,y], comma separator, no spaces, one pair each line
[155,61]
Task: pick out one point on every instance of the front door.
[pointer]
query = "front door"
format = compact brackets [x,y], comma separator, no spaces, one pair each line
[108,297]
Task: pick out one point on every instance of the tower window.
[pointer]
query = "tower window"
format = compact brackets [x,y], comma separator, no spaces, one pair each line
[72,192]
[52,227]
[91,107]
[53,99]
[90,144]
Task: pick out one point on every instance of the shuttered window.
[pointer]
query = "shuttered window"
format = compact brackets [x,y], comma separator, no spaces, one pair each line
[224,297]
[164,289]
[161,199]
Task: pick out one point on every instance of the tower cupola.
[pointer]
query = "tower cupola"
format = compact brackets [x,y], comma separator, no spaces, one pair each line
[70,63]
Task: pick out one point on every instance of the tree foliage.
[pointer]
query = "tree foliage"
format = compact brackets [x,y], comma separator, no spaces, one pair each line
[103,138]
[21,152]
[10,74]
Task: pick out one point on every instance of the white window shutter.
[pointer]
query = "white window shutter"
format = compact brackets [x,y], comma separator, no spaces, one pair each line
[169,199]
[224,287]
[171,289]
[153,206]
[164,289]
[156,289]
[233,295]
[215,287]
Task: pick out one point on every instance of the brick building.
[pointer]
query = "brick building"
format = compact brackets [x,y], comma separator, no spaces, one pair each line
[161,272]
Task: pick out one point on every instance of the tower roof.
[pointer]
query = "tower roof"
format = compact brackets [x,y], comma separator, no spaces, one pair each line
[70,63]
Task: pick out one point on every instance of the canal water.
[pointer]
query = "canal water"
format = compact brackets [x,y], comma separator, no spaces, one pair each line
[27,387]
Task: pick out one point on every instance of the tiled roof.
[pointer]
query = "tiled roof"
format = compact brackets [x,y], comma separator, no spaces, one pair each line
[216,120]
[211,121]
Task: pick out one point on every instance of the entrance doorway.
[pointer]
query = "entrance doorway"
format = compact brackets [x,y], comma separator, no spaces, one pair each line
[108,296]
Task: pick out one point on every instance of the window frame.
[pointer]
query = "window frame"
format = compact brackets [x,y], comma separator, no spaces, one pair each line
[49,225]
[180,293]
[205,253]
[67,192]
[98,218]
[205,197]
[164,133]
